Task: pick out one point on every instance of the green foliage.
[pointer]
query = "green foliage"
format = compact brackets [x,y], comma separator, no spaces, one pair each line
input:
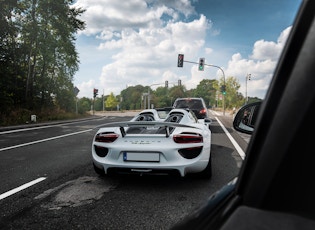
[20,116]
[111,102]
[38,55]
[208,89]
[98,104]
[132,97]
[84,105]
[253,99]
[161,97]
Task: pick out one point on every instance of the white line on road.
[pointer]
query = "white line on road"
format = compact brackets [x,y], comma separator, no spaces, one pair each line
[27,129]
[237,147]
[47,139]
[18,189]
[41,127]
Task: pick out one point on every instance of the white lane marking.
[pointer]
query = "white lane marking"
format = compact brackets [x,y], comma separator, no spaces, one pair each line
[47,139]
[42,127]
[20,188]
[27,129]
[237,147]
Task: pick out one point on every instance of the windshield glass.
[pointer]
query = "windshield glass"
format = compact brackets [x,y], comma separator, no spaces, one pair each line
[188,103]
[73,75]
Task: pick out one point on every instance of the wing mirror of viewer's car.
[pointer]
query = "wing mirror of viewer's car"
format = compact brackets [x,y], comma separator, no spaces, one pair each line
[245,118]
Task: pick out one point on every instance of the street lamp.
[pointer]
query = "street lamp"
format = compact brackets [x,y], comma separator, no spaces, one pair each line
[247,78]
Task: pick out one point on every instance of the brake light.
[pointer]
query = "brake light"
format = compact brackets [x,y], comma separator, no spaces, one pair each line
[106,137]
[187,138]
[203,111]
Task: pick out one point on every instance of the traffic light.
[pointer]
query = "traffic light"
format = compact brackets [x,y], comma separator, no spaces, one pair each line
[223,89]
[201,64]
[95,92]
[180,61]
[166,84]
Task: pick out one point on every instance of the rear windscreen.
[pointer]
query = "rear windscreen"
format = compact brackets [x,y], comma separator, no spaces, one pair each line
[192,104]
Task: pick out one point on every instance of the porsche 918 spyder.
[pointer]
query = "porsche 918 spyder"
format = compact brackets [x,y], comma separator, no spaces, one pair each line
[180,144]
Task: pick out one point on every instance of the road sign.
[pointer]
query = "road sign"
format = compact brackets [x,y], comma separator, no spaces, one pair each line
[76,91]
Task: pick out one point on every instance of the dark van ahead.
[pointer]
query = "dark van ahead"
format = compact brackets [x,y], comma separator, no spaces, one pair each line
[197,105]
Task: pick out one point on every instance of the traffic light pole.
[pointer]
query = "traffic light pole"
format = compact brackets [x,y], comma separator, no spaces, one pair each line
[247,78]
[223,99]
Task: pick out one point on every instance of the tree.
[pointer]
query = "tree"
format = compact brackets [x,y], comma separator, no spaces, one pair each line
[232,96]
[39,40]
[162,98]
[132,97]
[98,104]
[206,90]
[177,91]
[111,102]
[84,105]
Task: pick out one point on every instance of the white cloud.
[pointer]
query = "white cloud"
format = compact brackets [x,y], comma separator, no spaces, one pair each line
[269,49]
[146,54]
[141,40]
[208,50]
[86,88]
[112,15]
[261,65]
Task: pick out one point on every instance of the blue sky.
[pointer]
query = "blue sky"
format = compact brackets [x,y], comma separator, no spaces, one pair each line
[241,23]
[127,43]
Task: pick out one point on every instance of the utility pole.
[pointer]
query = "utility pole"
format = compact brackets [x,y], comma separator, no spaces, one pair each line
[223,97]
[247,78]
[103,100]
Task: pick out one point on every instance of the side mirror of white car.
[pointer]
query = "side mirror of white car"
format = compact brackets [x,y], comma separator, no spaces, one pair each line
[208,121]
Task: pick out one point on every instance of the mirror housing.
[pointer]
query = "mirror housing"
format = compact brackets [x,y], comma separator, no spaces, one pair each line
[245,118]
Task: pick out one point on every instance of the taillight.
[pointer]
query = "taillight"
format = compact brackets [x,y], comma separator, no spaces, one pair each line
[106,137]
[203,111]
[185,138]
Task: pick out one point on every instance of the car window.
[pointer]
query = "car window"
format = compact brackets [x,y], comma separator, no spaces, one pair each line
[189,103]
[163,114]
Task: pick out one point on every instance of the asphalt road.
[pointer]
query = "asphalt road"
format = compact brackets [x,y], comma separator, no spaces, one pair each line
[62,191]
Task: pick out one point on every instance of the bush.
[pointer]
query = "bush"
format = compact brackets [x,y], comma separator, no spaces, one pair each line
[23,116]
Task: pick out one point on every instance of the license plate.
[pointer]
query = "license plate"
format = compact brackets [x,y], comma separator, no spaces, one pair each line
[147,157]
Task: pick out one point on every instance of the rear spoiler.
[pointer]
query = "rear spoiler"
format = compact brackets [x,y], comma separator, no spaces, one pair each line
[166,125]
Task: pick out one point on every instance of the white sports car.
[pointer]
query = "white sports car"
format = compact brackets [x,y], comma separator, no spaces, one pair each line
[180,145]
